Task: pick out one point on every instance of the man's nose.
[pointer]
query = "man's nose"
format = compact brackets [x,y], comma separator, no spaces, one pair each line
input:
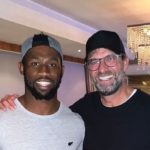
[102,66]
[44,70]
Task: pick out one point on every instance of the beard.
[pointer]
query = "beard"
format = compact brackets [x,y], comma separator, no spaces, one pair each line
[106,90]
[39,95]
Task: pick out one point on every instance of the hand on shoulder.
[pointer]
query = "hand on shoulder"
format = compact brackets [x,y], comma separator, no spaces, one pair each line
[7,102]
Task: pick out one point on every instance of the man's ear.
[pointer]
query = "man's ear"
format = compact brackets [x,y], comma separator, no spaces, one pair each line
[21,68]
[126,63]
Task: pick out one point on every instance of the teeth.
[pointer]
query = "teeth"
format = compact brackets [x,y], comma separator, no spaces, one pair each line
[105,77]
[43,83]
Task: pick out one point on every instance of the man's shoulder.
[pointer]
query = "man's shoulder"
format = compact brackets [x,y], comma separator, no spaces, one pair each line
[86,101]
[68,113]
[9,115]
[71,117]
[87,98]
[143,98]
[142,95]
[5,114]
[6,118]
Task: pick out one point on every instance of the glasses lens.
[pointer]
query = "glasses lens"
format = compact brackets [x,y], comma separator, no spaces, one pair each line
[92,64]
[111,60]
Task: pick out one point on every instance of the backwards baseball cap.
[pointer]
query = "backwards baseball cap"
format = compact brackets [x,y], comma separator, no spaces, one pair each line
[40,39]
[105,39]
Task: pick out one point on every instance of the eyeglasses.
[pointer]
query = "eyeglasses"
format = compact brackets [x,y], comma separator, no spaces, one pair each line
[109,61]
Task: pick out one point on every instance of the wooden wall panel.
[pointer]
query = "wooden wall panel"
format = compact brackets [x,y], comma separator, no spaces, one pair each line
[16,48]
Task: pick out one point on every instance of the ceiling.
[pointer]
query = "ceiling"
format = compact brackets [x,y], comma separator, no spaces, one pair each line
[70,21]
[103,14]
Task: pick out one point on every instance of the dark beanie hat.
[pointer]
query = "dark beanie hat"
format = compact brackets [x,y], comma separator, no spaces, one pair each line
[105,39]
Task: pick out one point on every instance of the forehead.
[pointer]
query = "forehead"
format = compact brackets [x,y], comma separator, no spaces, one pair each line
[42,51]
[100,53]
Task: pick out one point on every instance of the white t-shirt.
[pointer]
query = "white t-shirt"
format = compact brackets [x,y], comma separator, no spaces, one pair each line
[24,130]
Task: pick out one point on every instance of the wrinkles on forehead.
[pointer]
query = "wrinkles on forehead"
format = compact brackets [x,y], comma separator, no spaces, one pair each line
[100,53]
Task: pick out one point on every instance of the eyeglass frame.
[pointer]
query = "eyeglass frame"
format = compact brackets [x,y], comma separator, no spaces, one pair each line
[103,59]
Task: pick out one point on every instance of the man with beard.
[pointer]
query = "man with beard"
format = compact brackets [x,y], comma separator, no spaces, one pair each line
[116,116]
[40,121]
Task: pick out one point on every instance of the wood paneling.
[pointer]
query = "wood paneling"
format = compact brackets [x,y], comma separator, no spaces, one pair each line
[10,47]
[16,48]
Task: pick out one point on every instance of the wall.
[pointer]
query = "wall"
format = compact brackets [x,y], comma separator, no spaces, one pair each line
[71,89]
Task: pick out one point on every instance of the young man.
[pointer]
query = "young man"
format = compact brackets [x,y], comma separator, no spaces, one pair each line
[40,121]
[116,116]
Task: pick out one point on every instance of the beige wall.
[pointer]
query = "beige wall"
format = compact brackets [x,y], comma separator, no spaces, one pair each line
[71,89]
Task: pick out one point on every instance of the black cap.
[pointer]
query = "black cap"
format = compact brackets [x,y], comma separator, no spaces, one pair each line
[105,39]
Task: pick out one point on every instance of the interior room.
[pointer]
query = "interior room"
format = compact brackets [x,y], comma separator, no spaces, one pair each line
[71,23]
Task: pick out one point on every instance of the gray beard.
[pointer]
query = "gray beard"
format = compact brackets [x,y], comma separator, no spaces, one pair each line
[106,91]
[109,91]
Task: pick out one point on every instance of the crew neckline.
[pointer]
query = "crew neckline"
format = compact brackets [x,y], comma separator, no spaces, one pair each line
[122,106]
[21,107]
